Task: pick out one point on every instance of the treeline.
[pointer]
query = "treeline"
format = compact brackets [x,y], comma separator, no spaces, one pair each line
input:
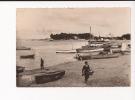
[86,36]
[124,36]
[67,36]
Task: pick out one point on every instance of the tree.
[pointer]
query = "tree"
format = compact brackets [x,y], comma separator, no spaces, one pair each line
[67,36]
[126,36]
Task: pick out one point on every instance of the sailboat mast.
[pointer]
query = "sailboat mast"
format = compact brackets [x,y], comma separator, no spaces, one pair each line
[72,45]
[90,32]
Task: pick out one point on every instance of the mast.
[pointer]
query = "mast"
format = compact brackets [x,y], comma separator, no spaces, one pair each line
[90,32]
[72,44]
[89,42]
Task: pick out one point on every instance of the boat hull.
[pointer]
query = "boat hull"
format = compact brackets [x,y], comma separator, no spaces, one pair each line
[66,51]
[104,56]
[27,56]
[38,76]
[89,50]
[48,77]
[88,57]
[23,48]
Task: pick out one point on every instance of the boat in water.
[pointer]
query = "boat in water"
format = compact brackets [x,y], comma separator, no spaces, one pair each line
[105,56]
[93,46]
[98,56]
[23,48]
[66,51]
[31,56]
[90,50]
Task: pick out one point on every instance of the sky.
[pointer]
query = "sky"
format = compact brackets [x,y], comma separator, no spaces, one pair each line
[38,23]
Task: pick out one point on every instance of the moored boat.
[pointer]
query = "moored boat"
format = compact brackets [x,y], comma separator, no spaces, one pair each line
[89,50]
[27,56]
[99,56]
[66,51]
[104,56]
[23,48]
[94,45]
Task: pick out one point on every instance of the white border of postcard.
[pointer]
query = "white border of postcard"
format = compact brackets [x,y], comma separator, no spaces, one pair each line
[8,87]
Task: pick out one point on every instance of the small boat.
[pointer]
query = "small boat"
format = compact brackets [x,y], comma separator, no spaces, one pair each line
[66,51]
[97,43]
[20,69]
[49,76]
[93,46]
[23,48]
[99,56]
[116,50]
[89,50]
[50,39]
[83,56]
[39,76]
[104,56]
[27,56]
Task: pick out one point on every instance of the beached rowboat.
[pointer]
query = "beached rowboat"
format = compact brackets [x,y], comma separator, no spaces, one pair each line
[38,76]
[49,76]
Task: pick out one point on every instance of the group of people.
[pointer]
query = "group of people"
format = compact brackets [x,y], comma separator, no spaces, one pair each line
[86,70]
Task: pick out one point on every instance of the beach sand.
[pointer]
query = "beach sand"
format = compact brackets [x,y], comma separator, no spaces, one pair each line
[112,72]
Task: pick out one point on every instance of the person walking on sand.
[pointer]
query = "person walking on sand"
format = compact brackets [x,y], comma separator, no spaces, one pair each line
[86,71]
[42,64]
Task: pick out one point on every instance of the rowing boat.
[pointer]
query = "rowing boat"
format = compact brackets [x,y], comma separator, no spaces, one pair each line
[38,76]
[27,56]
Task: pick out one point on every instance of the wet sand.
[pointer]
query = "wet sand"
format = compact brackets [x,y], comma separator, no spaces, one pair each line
[113,72]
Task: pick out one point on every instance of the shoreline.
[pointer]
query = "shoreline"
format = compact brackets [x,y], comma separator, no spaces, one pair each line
[105,75]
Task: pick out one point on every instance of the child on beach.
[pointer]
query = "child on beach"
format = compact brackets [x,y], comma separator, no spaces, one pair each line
[86,71]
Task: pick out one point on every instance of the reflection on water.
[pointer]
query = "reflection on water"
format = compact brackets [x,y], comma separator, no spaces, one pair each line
[47,50]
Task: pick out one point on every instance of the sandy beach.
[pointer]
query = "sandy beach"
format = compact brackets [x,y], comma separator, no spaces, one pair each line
[113,72]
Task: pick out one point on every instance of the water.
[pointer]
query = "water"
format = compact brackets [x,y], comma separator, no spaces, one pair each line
[47,50]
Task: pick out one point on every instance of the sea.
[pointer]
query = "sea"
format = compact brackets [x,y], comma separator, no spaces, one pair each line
[46,50]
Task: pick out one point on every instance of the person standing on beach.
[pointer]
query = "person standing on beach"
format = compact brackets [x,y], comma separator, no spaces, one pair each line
[86,71]
[42,64]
